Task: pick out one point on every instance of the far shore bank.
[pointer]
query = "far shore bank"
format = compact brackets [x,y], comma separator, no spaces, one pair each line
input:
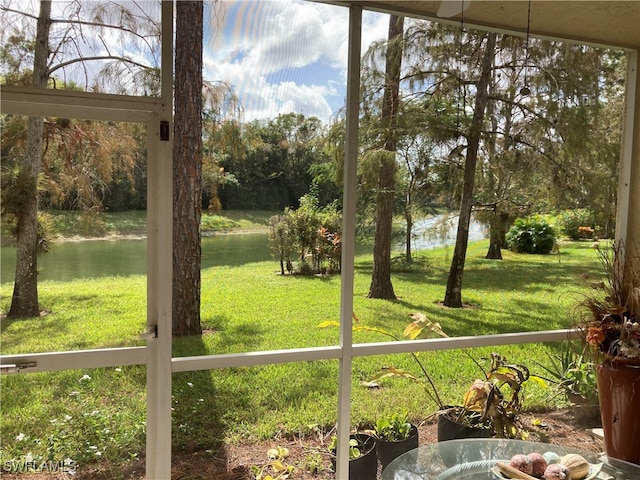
[139,236]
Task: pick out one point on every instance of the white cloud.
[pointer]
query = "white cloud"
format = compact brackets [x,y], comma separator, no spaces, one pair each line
[285,55]
[279,55]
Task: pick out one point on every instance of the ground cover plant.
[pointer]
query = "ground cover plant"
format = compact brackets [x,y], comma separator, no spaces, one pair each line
[98,414]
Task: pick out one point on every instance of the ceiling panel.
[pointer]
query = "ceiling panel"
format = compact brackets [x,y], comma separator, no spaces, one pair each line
[606,23]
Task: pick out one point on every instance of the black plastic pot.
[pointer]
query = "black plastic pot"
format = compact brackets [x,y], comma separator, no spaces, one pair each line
[364,467]
[389,451]
[450,429]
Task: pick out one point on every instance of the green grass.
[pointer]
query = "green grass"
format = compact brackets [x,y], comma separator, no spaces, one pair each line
[250,308]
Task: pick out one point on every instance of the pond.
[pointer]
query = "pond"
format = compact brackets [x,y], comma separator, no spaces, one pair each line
[99,258]
[441,230]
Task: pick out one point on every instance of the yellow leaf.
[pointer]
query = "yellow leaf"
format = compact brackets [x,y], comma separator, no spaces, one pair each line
[328,323]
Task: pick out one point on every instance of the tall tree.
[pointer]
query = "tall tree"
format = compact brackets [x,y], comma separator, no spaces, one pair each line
[273,169]
[24,302]
[453,294]
[497,187]
[53,50]
[187,168]
[381,286]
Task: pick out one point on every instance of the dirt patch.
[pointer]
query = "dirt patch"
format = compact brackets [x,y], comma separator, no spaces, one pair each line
[234,462]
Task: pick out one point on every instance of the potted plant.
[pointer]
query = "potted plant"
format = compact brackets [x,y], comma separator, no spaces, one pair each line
[486,409]
[609,321]
[363,463]
[574,374]
[394,435]
[498,398]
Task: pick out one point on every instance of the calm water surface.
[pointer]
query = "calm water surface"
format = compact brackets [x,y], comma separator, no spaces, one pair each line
[99,258]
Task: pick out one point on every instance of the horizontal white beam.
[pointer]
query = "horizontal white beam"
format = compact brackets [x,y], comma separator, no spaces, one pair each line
[67,104]
[454,343]
[250,359]
[112,357]
[210,362]
[98,358]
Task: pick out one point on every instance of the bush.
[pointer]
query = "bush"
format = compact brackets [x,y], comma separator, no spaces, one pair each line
[310,234]
[531,235]
[578,224]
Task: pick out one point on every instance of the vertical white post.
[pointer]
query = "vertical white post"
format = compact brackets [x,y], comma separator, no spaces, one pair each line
[160,265]
[348,240]
[629,178]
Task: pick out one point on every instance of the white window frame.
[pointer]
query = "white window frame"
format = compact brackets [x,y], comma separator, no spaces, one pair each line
[156,355]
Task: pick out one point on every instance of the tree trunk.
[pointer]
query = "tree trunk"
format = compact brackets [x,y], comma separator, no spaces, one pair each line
[453,295]
[496,237]
[24,302]
[408,217]
[187,169]
[381,286]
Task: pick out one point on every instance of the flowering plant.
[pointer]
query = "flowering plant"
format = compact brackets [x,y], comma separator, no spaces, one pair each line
[610,316]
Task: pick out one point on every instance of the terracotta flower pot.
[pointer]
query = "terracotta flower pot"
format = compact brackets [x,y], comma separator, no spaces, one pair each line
[619,394]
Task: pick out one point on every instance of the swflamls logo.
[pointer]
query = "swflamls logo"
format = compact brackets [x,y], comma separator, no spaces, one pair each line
[43,466]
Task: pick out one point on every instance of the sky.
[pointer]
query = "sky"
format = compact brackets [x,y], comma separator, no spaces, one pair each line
[280,56]
[284,56]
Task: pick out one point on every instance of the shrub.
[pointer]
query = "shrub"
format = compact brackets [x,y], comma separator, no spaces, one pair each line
[310,234]
[531,235]
[578,224]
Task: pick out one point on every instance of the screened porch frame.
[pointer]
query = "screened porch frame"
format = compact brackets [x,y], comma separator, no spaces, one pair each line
[156,355]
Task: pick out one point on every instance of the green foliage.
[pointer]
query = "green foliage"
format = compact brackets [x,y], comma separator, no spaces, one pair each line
[574,373]
[45,232]
[486,400]
[281,240]
[313,231]
[355,447]
[372,162]
[275,401]
[578,224]
[420,328]
[274,168]
[393,428]
[18,185]
[313,463]
[499,398]
[531,235]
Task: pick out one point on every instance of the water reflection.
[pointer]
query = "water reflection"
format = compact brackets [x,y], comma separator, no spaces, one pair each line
[441,230]
[100,258]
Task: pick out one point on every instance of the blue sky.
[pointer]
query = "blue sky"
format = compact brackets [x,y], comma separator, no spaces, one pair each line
[284,56]
[279,56]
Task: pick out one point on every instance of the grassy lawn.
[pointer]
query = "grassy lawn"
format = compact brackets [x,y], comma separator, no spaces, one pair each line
[99,414]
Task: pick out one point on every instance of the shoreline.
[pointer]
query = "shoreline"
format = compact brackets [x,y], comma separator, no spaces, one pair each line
[125,236]
[137,236]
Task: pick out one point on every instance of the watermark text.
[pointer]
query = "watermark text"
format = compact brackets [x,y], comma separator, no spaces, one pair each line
[43,466]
